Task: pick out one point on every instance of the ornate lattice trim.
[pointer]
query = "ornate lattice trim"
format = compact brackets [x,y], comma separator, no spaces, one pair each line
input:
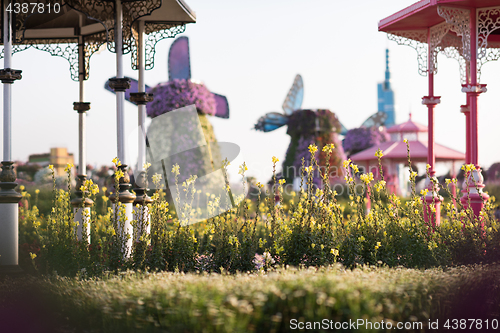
[437,34]
[66,48]
[92,44]
[415,39]
[488,20]
[104,12]
[154,32]
[15,48]
[460,20]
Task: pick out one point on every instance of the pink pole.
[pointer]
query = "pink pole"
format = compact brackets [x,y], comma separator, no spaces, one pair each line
[453,187]
[368,201]
[465,109]
[473,184]
[432,199]
[473,95]
[431,158]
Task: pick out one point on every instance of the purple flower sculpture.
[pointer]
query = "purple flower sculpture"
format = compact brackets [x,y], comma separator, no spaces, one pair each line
[178,93]
[361,138]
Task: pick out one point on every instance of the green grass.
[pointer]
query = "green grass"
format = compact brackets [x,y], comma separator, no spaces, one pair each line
[267,302]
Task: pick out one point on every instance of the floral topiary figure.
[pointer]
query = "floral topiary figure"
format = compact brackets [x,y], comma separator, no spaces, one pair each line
[361,138]
[181,91]
[305,127]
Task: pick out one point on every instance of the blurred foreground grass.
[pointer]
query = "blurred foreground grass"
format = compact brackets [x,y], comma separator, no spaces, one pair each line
[267,302]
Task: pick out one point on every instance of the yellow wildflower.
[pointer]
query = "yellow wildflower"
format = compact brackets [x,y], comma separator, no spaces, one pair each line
[175,170]
[328,148]
[119,174]
[312,149]
[379,153]
[116,161]
[346,163]
[243,168]
[275,160]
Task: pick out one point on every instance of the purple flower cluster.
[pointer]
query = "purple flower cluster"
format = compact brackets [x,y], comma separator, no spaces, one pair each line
[179,93]
[359,139]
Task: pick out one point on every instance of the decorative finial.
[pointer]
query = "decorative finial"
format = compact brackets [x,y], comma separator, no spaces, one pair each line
[410,115]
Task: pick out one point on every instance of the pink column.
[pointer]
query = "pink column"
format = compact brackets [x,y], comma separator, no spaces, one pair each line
[432,199]
[465,109]
[368,201]
[473,183]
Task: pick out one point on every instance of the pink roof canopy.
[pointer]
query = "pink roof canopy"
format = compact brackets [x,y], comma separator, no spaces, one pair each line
[423,14]
[396,151]
[443,26]
[408,126]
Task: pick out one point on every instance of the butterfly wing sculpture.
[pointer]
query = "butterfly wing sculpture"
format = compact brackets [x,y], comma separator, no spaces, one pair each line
[305,127]
[293,102]
[375,120]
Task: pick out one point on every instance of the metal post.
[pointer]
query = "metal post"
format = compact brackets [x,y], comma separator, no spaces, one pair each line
[142,89]
[9,198]
[81,209]
[141,97]
[120,95]
[7,87]
[82,145]
[125,197]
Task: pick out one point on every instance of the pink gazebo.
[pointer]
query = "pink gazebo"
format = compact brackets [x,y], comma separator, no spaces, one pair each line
[395,151]
[466,30]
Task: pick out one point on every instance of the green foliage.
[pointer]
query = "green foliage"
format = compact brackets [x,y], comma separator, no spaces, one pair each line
[268,302]
[315,227]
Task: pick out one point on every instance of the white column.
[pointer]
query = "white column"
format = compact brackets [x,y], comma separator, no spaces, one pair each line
[120,95]
[82,216]
[9,199]
[82,154]
[122,191]
[142,88]
[126,228]
[7,87]
[9,234]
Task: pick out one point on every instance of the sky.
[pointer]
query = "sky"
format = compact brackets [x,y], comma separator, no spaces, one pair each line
[250,52]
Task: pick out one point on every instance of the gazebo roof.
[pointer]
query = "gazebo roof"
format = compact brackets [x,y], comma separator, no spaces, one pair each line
[423,14]
[409,126]
[396,152]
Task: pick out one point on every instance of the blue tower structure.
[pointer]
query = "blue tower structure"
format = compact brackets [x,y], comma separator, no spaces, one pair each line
[386,95]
